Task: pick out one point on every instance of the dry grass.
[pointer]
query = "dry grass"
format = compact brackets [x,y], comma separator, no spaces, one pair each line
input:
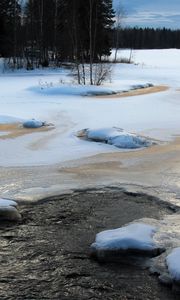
[137,92]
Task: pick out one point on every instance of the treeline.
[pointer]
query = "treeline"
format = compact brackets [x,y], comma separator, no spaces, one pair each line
[47,32]
[146,38]
[37,33]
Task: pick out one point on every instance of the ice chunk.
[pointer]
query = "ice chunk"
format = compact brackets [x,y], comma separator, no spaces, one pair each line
[173,263]
[118,138]
[133,236]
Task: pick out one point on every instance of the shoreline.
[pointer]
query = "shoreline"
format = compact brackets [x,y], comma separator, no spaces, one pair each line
[153,170]
[136,92]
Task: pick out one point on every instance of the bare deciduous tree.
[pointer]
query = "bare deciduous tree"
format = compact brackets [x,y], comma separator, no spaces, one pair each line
[119,15]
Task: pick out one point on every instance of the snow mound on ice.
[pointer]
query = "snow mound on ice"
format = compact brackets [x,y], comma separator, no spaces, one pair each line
[33,124]
[133,236]
[117,137]
[173,263]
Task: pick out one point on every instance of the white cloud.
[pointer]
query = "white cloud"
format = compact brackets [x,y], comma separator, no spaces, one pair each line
[157,13]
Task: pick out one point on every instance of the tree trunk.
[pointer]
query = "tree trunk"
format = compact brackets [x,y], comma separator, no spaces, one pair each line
[90,41]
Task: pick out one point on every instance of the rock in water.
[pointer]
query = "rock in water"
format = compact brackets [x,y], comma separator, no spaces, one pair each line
[126,243]
[8,211]
[166,279]
[10,214]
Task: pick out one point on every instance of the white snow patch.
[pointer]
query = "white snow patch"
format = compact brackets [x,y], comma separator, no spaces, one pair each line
[133,236]
[7,203]
[173,263]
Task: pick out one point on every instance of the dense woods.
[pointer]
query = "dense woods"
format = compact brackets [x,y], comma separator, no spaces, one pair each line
[146,38]
[43,32]
[37,33]
[10,27]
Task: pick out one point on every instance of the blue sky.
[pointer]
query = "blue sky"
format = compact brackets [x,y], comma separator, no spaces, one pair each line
[152,13]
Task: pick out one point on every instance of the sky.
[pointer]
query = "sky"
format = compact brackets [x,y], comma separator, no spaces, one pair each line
[153,13]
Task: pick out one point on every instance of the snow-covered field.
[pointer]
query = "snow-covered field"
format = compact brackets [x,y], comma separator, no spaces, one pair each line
[51,96]
[156,58]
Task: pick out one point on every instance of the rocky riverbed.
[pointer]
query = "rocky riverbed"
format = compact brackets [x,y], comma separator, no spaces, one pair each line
[46,255]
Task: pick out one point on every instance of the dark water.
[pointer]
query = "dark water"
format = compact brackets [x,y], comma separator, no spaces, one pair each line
[46,256]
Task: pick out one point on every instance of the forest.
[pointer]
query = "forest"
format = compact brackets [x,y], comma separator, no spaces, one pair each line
[36,33]
[146,38]
[44,32]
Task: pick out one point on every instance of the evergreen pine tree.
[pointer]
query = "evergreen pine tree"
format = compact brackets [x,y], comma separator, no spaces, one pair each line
[9,24]
[89,24]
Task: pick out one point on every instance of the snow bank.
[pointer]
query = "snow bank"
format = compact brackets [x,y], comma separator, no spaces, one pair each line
[75,90]
[52,89]
[173,263]
[118,138]
[8,210]
[134,236]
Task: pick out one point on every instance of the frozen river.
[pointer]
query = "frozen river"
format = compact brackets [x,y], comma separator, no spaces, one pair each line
[52,161]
